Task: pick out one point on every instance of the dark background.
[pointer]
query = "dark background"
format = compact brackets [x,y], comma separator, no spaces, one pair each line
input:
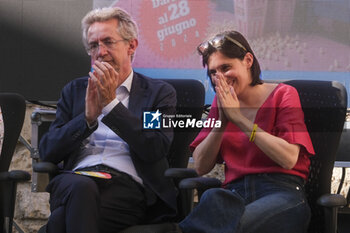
[41,47]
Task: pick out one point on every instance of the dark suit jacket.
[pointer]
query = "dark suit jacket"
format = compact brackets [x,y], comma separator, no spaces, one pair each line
[148,148]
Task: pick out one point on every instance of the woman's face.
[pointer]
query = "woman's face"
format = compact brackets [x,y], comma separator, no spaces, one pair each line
[236,72]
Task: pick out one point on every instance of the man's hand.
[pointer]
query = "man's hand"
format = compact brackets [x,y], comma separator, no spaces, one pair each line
[107,80]
[93,106]
[101,89]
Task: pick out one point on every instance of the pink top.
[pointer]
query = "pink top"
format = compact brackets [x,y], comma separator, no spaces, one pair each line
[280,115]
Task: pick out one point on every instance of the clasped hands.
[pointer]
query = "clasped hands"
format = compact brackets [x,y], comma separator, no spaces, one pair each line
[227,100]
[101,89]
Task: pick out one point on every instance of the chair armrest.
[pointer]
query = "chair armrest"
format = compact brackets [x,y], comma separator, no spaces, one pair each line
[180,173]
[330,204]
[15,175]
[202,183]
[331,200]
[46,167]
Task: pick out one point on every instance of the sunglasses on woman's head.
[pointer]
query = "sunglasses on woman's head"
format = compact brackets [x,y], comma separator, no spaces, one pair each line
[217,42]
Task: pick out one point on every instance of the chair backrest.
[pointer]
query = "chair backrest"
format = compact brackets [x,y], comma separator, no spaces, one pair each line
[190,102]
[343,153]
[324,104]
[13,110]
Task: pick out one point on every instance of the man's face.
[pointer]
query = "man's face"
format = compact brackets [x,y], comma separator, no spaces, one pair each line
[110,46]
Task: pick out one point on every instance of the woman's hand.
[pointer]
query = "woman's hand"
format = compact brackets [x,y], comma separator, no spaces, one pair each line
[222,116]
[228,102]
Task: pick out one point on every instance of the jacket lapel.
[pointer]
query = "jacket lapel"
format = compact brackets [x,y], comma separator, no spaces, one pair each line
[139,94]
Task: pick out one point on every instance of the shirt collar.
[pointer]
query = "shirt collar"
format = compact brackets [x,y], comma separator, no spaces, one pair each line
[128,81]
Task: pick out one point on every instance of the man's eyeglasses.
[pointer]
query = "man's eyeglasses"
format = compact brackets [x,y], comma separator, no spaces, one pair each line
[217,42]
[108,44]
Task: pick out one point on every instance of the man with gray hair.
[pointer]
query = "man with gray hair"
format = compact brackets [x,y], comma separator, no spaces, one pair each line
[113,170]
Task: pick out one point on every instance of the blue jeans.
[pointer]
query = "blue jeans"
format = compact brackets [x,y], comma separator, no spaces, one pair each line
[262,203]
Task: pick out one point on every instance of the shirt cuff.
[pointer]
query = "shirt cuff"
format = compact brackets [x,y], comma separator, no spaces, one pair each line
[110,106]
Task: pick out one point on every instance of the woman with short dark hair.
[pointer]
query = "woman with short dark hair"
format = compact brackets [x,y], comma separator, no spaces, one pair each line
[263,141]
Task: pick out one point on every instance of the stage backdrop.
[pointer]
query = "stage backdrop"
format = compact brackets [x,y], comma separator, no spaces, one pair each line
[293,39]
